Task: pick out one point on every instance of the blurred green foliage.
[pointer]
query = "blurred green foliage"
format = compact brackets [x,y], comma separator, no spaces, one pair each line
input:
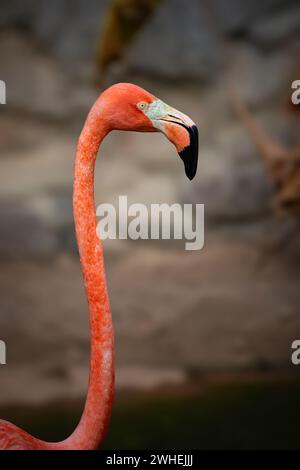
[238,415]
[232,416]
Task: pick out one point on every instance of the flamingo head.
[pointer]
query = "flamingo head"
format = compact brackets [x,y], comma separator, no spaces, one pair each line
[129,107]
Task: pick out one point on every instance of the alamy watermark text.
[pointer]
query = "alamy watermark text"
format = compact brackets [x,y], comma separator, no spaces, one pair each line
[2,92]
[156,221]
[2,352]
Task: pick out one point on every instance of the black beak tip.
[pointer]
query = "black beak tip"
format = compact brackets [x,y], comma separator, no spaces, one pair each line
[189,155]
[190,175]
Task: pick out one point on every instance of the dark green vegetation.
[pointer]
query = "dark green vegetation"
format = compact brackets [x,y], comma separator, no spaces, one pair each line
[247,415]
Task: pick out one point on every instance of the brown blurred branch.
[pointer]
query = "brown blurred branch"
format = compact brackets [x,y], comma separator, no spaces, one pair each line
[123,21]
[283,165]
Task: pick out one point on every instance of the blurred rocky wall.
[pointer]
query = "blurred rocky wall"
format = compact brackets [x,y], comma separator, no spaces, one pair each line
[202,310]
[179,40]
[188,52]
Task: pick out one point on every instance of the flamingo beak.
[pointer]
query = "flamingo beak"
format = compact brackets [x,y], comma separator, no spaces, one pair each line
[189,154]
[180,130]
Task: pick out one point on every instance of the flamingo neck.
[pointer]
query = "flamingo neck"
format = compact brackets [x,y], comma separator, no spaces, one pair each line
[94,421]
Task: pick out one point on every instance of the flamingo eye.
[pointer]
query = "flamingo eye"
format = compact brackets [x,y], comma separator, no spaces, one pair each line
[142,105]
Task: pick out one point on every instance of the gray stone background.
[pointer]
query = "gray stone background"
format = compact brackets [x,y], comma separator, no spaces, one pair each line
[231,307]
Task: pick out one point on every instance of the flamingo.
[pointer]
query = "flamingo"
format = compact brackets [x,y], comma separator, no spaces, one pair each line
[127,107]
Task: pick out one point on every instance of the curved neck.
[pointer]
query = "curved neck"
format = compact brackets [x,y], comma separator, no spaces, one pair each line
[94,421]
